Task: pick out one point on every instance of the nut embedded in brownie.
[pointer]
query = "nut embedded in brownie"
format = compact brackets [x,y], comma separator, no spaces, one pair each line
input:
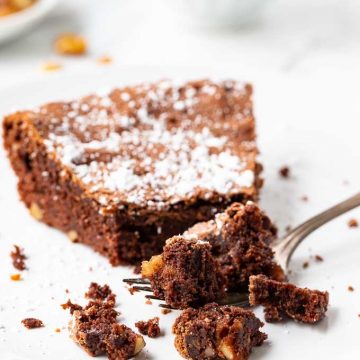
[214,256]
[150,327]
[283,299]
[125,171]
[185,274]
[217,332]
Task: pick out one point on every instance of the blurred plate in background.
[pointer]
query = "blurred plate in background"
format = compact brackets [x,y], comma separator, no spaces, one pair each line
[17,23]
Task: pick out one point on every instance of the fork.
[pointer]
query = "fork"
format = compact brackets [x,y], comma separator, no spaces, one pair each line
[283,250]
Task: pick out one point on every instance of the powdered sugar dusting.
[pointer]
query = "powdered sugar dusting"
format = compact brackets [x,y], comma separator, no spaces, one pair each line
[154,152]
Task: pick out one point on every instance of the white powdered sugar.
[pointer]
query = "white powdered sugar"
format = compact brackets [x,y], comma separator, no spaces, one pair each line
[147,162]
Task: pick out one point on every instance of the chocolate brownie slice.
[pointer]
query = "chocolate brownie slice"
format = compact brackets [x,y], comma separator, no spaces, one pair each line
[279,299]
[217,332]
[212,256]
[123,172]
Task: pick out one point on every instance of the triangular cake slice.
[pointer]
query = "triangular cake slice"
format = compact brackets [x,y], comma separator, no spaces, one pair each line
[124,171]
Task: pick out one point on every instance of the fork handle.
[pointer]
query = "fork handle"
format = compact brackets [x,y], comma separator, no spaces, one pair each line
[285,248]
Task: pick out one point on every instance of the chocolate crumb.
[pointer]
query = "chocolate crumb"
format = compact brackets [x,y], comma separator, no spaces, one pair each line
[18,258]
[71,306]
[305,265]
[284,172]
[165,311]
[353,223]
[319,258]
[350,288]
[148,302]
[150,328]
[132,290]
[67,291]
[304,198]
[57,330]
[98,292]
[32,323]
[15,277]
[288,228]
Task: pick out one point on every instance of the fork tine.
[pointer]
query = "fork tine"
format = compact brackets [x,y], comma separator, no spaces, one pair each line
[142,288]
[137,281]
[166,306]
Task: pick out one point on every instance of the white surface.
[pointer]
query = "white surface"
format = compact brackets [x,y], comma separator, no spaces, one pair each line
[311,126]
[17,23]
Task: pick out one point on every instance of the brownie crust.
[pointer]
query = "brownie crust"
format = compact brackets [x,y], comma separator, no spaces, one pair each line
[57,183]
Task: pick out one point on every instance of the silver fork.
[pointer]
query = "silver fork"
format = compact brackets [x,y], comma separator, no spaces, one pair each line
[283,249]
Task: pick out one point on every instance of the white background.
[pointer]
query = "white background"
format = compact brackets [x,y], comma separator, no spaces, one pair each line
[303,58]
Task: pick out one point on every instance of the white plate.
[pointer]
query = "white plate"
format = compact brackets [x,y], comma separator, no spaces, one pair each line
[17,23]
[314,129]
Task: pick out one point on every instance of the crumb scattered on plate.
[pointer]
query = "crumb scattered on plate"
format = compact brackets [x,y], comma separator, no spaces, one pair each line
[32,323]
[70,44]
[18,258]
[350,288]
[305,265]
[284,172]
[15,277]
[51,66]
[319,258]
[105,60]
[150,327]
[353,223]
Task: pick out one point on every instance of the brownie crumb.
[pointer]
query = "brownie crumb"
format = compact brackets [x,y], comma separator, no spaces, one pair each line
[288,228]
[98,292]
[353,223]
[148,302]
[217,332]
[96,329]
[132,290]
[284,172]
[282,299]
[137,269]
[150,328]
[32,323]
[18,258]
[304,198]
[165,311]
[319,258]
[350,288]
[305,265]
[67,291]
[57,330]
[15,277]
[72,307]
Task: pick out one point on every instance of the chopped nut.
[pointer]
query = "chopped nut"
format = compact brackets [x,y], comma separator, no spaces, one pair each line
[105,60]
[51,66]
[72,235]
[36,212]
[70,44]
[153,265]
[15,277]
[139,344]
[353,223]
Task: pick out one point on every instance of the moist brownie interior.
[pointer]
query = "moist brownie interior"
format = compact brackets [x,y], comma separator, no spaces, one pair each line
[214,256]
[217,332]
[125,170]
